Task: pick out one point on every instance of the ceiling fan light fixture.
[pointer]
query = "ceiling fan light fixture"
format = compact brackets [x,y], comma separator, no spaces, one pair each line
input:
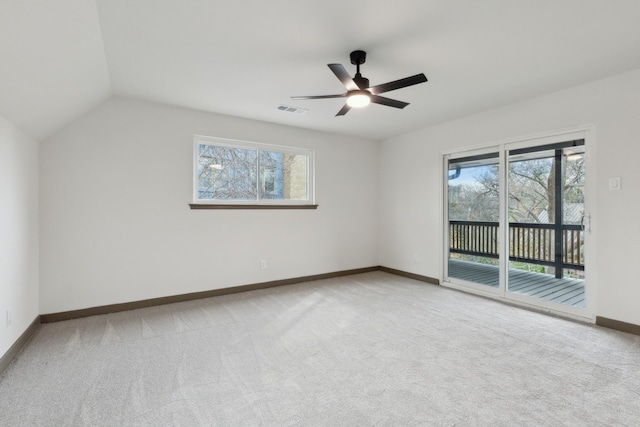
[359,94]
[359,99]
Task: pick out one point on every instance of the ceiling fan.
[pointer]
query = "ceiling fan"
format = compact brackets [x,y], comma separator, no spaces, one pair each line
[359,94]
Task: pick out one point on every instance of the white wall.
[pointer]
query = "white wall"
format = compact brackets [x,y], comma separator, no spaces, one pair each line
[18,232]
[410,221]
[116,225]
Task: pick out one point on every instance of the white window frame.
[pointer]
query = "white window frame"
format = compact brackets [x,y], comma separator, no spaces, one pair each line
[231,143]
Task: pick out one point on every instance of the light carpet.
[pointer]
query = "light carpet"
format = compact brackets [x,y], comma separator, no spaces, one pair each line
[373,349]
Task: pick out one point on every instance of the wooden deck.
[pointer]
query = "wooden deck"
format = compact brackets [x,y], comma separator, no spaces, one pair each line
[544,286]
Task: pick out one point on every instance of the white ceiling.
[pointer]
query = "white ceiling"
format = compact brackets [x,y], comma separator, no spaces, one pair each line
[60,58]
[52,63]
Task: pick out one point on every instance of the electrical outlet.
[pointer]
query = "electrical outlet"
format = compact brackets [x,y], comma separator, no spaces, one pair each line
[614,183]
[415,258]
[9,316]
[263,264]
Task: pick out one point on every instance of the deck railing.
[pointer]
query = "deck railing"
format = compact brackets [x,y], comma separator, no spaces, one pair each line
[528,242]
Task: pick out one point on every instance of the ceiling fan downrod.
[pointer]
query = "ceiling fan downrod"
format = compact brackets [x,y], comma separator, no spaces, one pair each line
[359,57]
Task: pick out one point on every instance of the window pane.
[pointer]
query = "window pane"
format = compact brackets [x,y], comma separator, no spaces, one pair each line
[226,173]
[474,211]
[283,176]
[531,190]
[574,179]
[473,191]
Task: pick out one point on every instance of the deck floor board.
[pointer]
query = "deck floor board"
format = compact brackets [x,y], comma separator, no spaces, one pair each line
[539,285]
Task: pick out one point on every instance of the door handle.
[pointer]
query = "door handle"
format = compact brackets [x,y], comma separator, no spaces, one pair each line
[586,223]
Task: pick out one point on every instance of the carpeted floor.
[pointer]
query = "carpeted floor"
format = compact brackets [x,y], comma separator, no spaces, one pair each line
[370,349]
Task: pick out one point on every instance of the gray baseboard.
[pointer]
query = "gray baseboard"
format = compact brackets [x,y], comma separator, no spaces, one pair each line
[19,344]
[114,308]
[410,275]
[618,325]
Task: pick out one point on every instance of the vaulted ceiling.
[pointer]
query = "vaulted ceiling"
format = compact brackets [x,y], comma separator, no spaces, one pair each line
[59,59]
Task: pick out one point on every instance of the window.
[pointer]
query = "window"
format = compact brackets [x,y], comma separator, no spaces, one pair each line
[231,174]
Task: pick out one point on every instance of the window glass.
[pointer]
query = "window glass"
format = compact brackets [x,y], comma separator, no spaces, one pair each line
[283,176]
[251,173]
[226,173]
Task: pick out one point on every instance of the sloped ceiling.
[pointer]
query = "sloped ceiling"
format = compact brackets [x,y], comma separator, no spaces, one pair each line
[52,63]
[244,58]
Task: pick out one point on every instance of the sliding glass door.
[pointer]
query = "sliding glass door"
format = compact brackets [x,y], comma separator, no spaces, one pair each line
[515,222]
[546,215]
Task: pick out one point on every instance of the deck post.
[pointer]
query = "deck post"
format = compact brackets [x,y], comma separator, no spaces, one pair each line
[559,210]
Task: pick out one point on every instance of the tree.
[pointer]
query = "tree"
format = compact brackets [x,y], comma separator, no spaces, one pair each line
[234,173]
[476,197]
[531,187]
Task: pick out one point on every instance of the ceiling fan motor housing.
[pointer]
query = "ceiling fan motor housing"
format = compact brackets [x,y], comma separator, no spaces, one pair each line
[358,57]
[363,83]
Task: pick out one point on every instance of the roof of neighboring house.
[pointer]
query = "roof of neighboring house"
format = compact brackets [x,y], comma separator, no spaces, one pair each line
[573,214]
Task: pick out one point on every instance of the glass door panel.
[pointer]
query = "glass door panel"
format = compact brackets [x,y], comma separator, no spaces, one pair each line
[545,212]
[473,219]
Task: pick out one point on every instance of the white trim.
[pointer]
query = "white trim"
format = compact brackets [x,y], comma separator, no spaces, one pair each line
[213,140]
[562,133]
[552,139]
[444,216]
[590,270]
[486,149]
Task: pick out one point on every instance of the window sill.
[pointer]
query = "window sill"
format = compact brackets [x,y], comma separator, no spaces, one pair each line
[239,206]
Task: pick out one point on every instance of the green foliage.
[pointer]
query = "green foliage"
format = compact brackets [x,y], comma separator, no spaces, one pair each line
[474,258]
[526,267]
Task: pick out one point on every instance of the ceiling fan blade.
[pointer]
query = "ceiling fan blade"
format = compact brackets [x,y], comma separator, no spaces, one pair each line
[398,84]
[344,110]
[319,96]
[343,76]
[388,102]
